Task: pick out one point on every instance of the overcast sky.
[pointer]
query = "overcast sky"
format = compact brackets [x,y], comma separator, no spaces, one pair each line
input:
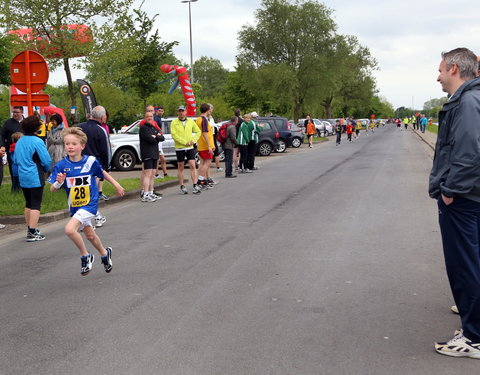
[406,37]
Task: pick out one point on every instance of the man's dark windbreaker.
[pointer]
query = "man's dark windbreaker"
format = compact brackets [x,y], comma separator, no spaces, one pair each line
[456,165]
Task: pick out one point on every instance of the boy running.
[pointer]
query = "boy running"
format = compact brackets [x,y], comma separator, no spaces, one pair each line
[77,175]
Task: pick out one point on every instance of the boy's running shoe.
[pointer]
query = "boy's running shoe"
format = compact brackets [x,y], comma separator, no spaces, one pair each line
[100,220]
[157,197]
[37,236]
[196,189]
[459,346]
[183,189]
[103,197]
[87,262]
[107,260]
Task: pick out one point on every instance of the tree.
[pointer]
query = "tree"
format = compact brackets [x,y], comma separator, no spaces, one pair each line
[211,74]
[433,106]
[6,55]
[48,20]
[132,55]
[294,36]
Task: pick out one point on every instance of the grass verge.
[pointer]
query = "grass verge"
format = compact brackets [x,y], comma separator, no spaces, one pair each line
[432,128]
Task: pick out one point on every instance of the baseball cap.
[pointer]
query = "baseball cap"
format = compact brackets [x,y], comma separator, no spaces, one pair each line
[254,114]
[181,108]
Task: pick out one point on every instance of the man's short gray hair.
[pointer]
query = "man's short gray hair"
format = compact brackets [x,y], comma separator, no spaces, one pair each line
[98,112]
[465,59]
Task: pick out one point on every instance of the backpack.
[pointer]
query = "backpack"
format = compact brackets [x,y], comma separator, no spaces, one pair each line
[222,133]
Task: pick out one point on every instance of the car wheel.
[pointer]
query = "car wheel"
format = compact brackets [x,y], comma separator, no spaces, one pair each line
[124,160]
[319,133]
[296,142]
[282,146]
[264,149]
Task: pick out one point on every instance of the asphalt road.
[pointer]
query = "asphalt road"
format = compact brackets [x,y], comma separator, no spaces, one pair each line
[324,261]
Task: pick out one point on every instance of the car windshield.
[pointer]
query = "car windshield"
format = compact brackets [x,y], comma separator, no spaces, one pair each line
[134,129]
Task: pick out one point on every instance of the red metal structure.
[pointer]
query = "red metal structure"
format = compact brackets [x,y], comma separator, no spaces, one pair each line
[29,73]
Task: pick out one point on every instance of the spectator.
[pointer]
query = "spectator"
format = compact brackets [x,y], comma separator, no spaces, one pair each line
[205,146]
[229,145]
[55,146]
[32,159]
[182,130]
[98,145]
[11,126]
[455,183]
[149,138]
[243,138]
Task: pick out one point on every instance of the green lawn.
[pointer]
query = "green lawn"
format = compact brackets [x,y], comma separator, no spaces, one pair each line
[14,203]
[432,128]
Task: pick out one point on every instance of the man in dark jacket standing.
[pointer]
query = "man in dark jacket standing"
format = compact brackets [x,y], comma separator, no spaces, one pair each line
[12,125]
[455,183]
[229,145]
[98,145]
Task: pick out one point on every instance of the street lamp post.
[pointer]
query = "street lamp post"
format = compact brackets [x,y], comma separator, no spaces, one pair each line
[190,24]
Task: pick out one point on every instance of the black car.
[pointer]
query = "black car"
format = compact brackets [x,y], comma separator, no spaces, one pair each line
[285,134]
[268,140]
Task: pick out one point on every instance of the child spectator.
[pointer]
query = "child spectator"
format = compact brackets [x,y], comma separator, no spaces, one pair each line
[15,137]
[77,175]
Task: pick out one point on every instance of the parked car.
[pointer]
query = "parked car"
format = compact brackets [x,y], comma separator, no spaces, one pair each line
[126,146]
[268,140]
[319,126]
[298,136]
[329,129]
[285,134]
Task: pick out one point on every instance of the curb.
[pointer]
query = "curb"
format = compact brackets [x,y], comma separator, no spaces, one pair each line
[60,215]
[429,144]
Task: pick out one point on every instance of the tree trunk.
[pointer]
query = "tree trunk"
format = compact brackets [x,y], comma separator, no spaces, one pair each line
[327,104]
[71,88]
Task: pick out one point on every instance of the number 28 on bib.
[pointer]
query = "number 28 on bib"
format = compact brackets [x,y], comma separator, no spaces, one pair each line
[79,190]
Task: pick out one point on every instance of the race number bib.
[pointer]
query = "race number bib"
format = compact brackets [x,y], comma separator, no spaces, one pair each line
[79,190]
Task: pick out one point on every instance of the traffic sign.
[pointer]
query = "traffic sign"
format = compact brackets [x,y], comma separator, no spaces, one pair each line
[29,71]
[37,100]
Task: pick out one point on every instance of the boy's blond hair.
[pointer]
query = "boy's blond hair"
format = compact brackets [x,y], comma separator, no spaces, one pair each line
[16,136]
[76,132]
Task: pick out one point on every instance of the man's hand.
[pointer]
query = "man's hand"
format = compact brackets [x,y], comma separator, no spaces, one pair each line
[448,201]
[2,152]
[210,151]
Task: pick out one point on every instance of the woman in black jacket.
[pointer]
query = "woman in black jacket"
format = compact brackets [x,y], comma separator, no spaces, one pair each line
[149,138]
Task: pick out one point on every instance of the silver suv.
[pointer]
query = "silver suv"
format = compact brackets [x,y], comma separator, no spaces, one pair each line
[126,146]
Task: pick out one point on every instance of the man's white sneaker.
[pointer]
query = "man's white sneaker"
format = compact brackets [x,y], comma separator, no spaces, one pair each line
[454,309]
[459,346]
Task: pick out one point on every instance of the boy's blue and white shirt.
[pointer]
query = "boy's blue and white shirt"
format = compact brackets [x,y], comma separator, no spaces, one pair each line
[80,182]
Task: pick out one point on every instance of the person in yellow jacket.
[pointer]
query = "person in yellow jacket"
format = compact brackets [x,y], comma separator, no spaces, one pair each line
[185,134]
[42,132]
